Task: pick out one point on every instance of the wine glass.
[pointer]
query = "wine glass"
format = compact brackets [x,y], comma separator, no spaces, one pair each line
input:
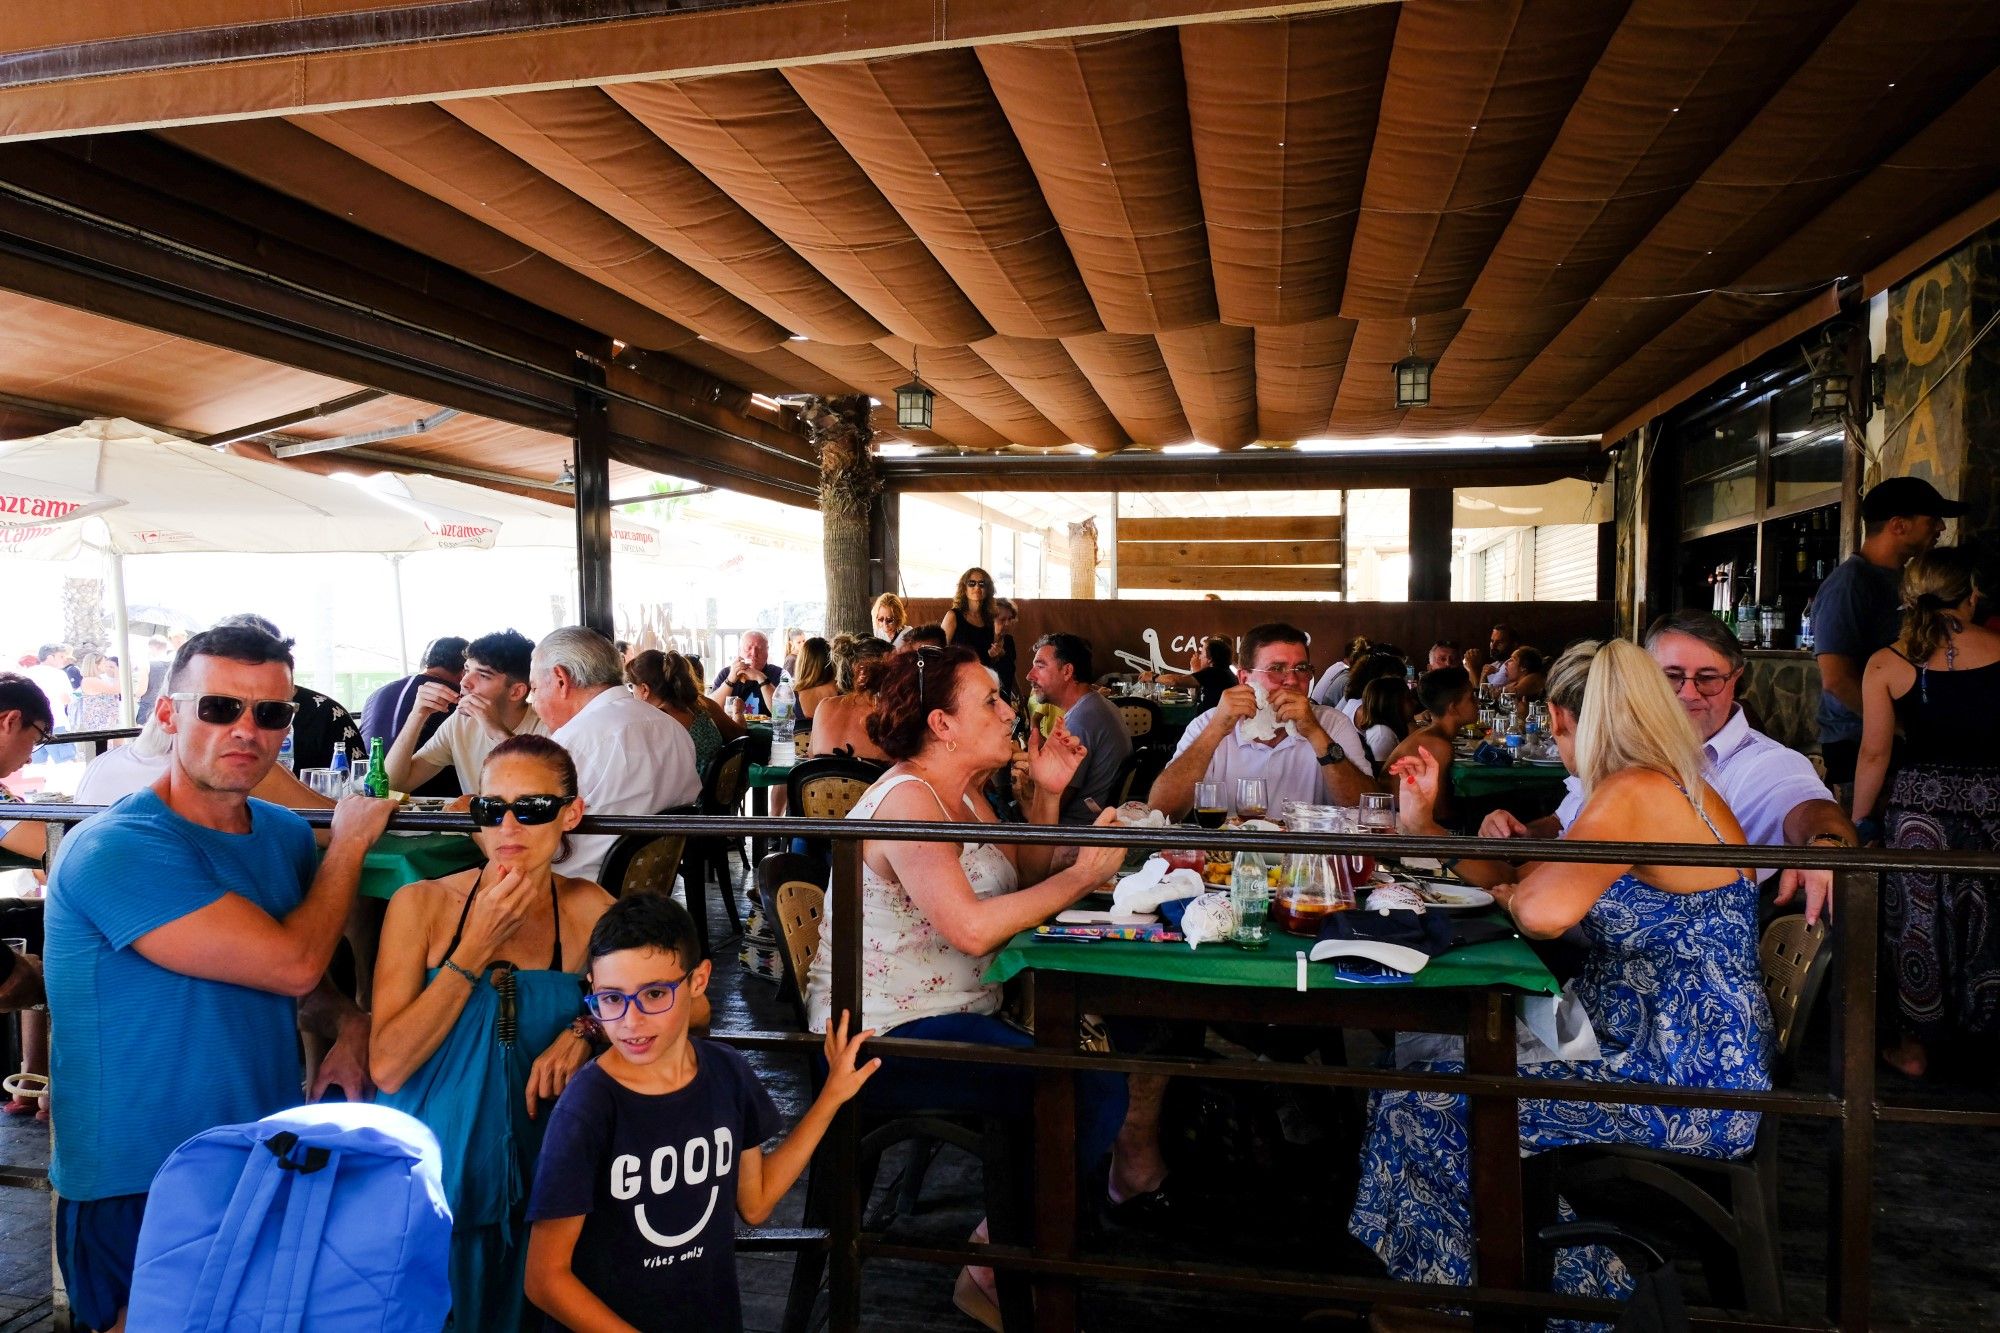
[1250,798]
[1209,812]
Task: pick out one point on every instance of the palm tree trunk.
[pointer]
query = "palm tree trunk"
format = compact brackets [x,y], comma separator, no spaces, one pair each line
[847,489]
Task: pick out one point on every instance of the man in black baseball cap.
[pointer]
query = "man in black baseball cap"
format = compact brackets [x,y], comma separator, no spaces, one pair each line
[1858,609]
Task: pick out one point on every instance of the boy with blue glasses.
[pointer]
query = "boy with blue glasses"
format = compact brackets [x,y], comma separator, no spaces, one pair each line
[658,1141]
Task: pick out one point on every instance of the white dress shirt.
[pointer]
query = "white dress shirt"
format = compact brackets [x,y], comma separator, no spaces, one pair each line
[1290,769]
[1762,780]
[631,759]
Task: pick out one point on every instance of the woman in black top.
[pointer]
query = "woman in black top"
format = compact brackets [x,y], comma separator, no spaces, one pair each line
[1941,681]
[1213,678]
[970,621]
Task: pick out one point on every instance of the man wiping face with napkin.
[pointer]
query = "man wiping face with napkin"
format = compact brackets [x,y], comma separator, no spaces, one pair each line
[1267,728]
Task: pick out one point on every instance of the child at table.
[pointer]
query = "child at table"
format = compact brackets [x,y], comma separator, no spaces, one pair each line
[657,1142]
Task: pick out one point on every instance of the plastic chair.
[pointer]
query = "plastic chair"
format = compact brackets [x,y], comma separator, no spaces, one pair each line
[798,903]
[1140,716]
[1724,1212]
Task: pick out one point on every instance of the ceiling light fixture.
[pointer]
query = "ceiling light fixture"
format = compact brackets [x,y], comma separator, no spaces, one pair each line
[567,477]
[914,400]
[1413,375]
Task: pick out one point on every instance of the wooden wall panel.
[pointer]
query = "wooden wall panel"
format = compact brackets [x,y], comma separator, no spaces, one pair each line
[1181,625]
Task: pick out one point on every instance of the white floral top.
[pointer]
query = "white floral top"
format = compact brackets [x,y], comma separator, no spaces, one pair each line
[908,970]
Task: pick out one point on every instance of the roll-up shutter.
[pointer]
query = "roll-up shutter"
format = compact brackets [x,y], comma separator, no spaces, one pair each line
[1566,562]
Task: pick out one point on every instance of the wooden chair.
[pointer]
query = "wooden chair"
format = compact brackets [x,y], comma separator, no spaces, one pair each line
[798,904]
[1140,716]
[1724,1212]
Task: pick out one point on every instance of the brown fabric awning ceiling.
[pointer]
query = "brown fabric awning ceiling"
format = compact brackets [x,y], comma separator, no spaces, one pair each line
[1224,232]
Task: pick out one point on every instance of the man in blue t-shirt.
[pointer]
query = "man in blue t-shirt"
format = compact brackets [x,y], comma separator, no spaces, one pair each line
[656,1146]
[1858,609]
[183,925]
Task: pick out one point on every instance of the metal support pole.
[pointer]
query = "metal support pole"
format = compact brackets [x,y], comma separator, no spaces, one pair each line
[593,502]
[121,639]
[844,1161]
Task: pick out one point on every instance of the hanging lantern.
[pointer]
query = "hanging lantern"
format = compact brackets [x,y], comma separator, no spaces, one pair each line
[914,400]
[1413,382]
[913,405]
[1413,375]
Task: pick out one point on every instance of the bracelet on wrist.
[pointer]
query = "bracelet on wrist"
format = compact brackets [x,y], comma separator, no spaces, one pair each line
[1828,839]
[472,978]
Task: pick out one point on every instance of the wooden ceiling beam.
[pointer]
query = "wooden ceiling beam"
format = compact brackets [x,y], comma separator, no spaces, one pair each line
[1257,470]
[93,68]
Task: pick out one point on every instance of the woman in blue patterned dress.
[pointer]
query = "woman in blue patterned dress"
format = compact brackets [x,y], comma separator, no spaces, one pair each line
[1671,984]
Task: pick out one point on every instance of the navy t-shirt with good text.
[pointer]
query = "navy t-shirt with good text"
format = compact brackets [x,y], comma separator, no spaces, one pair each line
[653,1175]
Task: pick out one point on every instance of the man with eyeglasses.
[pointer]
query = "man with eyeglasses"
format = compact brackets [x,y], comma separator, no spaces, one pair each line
[1772,788]
[185,925]
[1319,758]
[25,723]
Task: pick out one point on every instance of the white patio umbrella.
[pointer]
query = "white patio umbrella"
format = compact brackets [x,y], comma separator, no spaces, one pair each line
[466,515]
[462,515]
[156,492]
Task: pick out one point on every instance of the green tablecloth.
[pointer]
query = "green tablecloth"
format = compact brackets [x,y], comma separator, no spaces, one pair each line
[1470,779]
[1177,716]
[774,771]
[396,861]
[1501,963]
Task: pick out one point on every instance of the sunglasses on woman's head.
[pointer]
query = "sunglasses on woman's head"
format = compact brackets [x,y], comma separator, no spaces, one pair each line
[220,710]
[924,656]
[488,811]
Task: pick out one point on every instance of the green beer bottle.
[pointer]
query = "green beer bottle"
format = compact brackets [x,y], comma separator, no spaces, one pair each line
[378,771]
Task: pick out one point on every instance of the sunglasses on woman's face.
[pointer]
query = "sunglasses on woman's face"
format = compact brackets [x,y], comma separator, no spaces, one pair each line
[219,710]
[977,583]
[488,811]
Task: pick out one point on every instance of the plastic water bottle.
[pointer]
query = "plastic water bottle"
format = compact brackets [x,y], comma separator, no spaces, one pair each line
[783,725]
[286,759]
[341,776]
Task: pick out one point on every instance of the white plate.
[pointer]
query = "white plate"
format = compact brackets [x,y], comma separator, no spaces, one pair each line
[1541,763]
[1451,897]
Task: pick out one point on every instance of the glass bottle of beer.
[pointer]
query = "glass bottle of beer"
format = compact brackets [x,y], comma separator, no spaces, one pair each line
[378,771]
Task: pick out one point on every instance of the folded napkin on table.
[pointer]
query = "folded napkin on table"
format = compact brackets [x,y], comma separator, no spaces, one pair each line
[1152,884]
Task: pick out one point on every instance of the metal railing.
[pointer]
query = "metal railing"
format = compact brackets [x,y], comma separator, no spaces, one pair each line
[1851,1106]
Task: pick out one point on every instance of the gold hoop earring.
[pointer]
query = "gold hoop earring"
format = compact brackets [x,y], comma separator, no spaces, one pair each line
[951,747]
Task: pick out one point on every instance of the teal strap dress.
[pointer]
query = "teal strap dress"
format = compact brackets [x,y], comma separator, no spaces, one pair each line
[472,1093]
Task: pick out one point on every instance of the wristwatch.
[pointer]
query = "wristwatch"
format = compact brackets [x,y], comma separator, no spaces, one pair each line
[1828,839]
[1334,754]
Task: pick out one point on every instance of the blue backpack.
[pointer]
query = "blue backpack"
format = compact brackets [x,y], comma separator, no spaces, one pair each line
[330,1218]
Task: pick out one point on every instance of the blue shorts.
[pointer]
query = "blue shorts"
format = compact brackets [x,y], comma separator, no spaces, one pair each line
[96,1243]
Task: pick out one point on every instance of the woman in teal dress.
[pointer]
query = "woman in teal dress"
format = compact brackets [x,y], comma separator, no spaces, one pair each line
[478,982]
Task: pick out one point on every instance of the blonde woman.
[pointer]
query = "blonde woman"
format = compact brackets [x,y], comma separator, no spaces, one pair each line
[889,616]
[1671,982]
[1941,681]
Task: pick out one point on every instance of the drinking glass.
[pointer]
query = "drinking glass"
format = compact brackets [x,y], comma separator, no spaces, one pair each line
[324,781]
[1250,800]
[1378,811]
[1209,812]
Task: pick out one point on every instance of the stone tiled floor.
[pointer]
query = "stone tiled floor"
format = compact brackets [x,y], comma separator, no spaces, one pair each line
[1938,1201]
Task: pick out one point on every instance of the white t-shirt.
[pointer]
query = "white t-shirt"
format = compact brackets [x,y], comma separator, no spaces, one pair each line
[1290,769]
[631,759]
[1762,780]
[116,774]
[1331,684]
[53,681]
[462,743]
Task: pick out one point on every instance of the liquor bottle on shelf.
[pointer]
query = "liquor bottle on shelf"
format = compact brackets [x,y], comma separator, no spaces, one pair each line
[1749,620]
